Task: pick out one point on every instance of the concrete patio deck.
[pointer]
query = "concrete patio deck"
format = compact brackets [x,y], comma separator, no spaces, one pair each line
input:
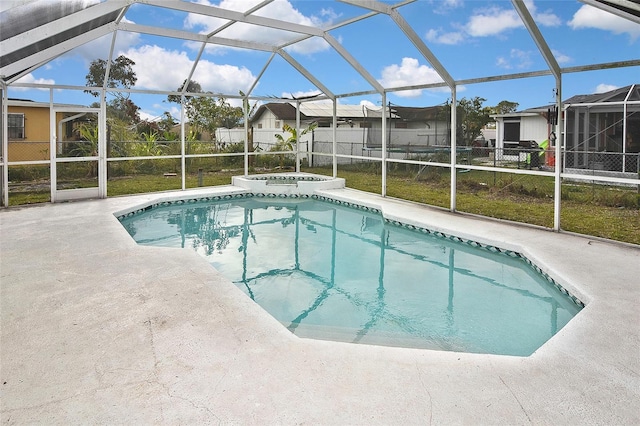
[98,330]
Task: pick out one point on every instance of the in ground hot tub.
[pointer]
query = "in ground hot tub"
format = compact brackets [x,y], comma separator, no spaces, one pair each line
[287,183]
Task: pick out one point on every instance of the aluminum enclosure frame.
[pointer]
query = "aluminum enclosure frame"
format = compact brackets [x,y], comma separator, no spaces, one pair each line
[32,43]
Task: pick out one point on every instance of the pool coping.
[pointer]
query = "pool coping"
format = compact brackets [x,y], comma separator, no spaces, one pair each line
[85,329]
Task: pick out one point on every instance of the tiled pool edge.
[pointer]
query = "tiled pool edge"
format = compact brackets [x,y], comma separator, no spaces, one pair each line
[235,195]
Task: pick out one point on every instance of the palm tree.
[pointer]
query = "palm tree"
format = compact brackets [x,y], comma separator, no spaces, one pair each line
[287,144]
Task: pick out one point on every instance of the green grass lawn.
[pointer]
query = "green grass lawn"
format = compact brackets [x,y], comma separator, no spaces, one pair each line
[602,211]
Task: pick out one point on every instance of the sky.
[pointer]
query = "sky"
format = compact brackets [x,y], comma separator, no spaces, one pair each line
[469,38]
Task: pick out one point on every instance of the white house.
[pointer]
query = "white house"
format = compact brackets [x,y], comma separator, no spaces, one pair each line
[410,130]
[601,131]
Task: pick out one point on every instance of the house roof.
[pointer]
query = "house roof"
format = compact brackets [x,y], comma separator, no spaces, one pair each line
[629,93]
[324,110]
[13,102]
[282,111]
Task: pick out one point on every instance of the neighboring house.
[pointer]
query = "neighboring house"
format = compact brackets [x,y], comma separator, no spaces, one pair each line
[407,126]
[602,131]
[275,115]
[28,130]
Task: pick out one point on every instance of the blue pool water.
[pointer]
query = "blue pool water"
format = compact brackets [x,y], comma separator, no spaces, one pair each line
[332,272]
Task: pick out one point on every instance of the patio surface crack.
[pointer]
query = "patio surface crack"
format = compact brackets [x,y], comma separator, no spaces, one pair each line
[516,398]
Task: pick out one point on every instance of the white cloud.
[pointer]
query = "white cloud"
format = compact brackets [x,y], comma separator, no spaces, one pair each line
[520,59]
[591,17]
[278,9]
[493,21]
[603,88]
[29,78]
[408,73]
[445,6]
[161,69]
[561,57]
[490,21]
[496,20]
[441,37]
[502,62]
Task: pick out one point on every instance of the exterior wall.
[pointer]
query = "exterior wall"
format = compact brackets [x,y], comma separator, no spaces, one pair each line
[350,141]
[36,143]
[534,128]
[268,120]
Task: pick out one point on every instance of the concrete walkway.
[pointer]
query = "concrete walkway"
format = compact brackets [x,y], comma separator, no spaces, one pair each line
[98,330]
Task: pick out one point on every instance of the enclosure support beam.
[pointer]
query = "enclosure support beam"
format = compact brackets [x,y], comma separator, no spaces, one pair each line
[535,33]
[183,162]
[352,61]
[624,128]
[102,147]
[334,135]
[558,153]
[422,47]
[384,143]
[52,148]
[302,70]
[5,146]
[611,8]
[245,107]
[298,141]
[454,151]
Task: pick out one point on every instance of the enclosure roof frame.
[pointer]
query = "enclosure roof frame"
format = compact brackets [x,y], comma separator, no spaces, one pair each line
[28,42]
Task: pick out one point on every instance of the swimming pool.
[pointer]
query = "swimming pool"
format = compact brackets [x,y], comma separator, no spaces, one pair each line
[328,271]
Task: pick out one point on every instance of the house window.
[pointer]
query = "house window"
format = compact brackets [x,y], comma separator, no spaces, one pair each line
[16,126]
[259,125]
[512,131]
[402,125]
[278,125]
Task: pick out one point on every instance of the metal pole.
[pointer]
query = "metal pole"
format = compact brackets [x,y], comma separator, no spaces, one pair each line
[624,129]
[52,147]
[183,163]
[298,141]
[102,147]
[245,104]
[5,145]
[384,145]
[559,163]
[335,140]
[454,143]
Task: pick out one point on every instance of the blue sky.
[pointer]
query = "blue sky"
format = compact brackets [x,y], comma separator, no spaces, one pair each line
[471,38]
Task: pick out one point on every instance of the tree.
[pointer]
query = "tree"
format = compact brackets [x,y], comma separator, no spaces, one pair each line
[283,144]
[192,87]
[471,117]
[287,144]
[121,75]
[504,107]
[206,113]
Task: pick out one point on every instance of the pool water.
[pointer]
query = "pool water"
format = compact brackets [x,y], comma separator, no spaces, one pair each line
[327,271]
